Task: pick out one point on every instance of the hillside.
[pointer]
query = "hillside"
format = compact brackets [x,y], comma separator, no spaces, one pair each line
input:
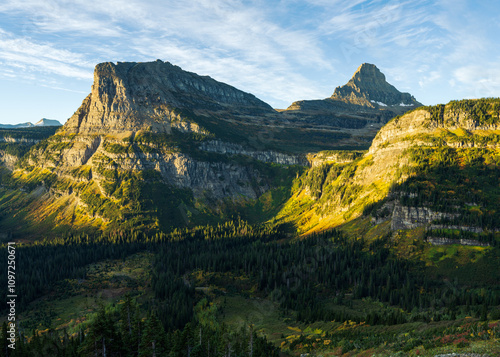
[432,167]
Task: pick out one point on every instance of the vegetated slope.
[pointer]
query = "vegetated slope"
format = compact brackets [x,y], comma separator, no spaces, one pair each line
[434,165]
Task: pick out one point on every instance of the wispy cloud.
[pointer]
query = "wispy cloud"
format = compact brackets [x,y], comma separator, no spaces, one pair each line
[478,80]
[25,55]
[234,40]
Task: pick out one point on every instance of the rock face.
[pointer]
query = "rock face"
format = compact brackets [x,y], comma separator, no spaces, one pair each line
[404,217]
[130,96]
[264,156]
[7,160]
[368,87]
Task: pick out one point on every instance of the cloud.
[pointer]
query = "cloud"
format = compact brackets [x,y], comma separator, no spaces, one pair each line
[25,55]
[234,40]
[479,81]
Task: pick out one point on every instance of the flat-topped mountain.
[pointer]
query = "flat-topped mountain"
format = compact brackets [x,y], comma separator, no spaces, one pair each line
[130,96]
[48,122]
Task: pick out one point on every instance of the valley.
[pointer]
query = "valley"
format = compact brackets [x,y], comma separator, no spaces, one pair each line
[175,215]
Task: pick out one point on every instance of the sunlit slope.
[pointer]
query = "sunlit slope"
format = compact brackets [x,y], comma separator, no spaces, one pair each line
[435,165]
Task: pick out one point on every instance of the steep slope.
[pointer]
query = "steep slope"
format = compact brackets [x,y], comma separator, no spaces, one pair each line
[436,167]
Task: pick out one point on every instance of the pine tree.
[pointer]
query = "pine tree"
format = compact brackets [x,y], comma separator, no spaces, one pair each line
[153,338]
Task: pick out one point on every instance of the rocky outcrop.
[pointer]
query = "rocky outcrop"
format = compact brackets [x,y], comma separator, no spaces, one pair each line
[449,241]
[225,148]
[405,217]
[7,160]
[8,139]
[328,157]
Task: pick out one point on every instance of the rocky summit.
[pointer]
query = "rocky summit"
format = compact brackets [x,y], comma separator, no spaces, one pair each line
[368,87]
[359,108]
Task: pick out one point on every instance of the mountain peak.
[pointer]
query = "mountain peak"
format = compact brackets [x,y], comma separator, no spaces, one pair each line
[368,87]
[368,71]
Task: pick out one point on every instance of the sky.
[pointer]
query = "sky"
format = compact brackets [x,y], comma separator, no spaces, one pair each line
[280,51]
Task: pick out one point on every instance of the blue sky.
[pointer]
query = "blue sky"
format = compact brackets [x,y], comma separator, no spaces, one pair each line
[280,51]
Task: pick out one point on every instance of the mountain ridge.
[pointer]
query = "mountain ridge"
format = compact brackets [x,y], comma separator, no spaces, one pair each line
[122,140]
[41,122]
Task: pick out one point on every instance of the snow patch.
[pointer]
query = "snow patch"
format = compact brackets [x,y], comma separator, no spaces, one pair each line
[379,103]
[405,105]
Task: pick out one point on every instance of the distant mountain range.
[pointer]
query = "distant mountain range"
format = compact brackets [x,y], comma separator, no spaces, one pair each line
[41,122]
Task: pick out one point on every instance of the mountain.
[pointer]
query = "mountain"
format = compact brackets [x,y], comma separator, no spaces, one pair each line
[130,96]
[357,109]
[157,146]
[368,87]
[48,122]
[41,122]
[150,145]
[14,126]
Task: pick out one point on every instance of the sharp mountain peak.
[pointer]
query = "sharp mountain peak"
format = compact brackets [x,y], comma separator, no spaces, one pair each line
[368,87]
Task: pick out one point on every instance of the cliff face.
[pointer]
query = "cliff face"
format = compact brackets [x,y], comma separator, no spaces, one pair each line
[224,148]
